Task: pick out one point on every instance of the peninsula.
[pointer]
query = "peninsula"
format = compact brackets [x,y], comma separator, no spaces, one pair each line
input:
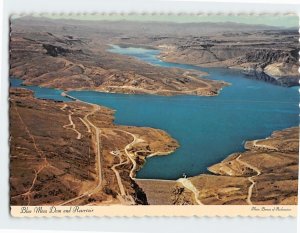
[71,153]
[63,58]
[76,150]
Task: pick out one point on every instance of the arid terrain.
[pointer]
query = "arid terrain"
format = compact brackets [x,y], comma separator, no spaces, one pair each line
[265,53]
[77,50]
[70,62]
[266,173]
[73,153]
[271,56]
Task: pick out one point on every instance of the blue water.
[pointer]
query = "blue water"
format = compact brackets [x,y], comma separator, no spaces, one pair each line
[208,129]
[40,92]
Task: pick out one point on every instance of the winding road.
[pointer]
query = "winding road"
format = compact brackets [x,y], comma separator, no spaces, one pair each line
[129,154]
[123,196]
[121,187]
[98,150]
[73,126]
[258,172]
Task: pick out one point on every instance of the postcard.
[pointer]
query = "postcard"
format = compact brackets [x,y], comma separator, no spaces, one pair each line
[154,115]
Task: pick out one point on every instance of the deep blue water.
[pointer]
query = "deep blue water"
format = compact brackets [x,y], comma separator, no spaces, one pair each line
[208,129]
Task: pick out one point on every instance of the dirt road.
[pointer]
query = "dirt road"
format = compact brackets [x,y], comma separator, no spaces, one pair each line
[258,172]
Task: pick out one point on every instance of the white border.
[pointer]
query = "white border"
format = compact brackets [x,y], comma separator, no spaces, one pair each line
[234,225]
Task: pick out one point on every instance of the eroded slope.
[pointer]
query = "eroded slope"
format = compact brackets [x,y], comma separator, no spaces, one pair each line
[71,153]
[72,63]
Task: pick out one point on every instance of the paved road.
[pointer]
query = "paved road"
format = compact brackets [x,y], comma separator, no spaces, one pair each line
[190,186]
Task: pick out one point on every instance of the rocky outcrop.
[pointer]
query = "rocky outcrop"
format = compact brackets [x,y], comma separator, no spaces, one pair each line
[139,195]
[263,76]
[266,56]
[274,66]
[54,51]
[270,56]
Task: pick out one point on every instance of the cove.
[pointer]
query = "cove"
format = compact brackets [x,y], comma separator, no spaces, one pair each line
[208,129]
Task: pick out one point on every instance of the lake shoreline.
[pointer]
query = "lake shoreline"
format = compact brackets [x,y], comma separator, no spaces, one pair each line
[251,73]
[119,114]
[210,171]
[242,178]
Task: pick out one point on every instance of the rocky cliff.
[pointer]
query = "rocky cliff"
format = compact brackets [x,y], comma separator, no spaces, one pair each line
[269,56]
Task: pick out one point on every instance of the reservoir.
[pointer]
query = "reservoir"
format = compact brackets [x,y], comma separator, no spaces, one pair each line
[208,129]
